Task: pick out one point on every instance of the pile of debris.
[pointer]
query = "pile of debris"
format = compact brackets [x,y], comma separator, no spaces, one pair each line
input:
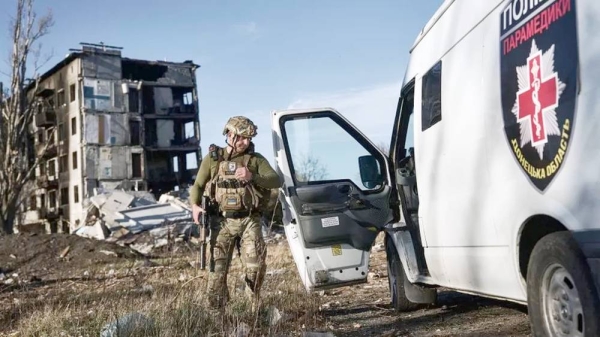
[138,220]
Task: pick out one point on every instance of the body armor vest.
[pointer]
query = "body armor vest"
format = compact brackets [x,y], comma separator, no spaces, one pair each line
[231,194]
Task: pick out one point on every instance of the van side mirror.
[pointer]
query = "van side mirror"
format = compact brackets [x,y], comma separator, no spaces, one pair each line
[370,171]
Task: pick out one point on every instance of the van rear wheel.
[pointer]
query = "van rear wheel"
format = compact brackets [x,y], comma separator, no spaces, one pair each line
[561,295]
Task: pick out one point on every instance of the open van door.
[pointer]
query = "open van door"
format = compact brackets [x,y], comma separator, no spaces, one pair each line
[336,195]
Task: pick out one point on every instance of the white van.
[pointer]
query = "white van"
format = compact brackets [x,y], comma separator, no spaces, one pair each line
[492,183]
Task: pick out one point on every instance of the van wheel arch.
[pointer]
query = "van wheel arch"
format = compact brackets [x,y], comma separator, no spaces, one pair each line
[405,296]
[532,231]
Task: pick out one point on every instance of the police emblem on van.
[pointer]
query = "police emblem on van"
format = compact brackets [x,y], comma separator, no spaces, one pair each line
[539,60]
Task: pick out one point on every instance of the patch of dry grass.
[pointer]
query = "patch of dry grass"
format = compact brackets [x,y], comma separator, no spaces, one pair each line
[172,296]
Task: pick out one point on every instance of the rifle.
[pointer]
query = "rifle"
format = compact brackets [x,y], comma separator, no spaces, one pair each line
[204,230]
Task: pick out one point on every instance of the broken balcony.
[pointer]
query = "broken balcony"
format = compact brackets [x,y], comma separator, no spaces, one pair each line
[34,216]
[52,213]
[44,104]
[47,182]
[45,118]
[49,151]
[63,147]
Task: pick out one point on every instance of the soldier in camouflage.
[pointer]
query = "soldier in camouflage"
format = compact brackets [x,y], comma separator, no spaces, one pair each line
[237,180]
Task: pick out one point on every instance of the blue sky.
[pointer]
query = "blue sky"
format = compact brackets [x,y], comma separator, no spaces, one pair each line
[257,56]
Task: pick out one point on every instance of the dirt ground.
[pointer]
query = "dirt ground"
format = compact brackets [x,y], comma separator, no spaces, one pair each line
[35,265]
[56,256]
[364,310]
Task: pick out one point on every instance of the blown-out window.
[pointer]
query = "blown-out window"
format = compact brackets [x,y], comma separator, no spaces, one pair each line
[431,108]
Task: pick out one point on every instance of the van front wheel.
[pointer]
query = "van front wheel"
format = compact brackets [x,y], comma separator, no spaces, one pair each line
[397,280]
[561,296]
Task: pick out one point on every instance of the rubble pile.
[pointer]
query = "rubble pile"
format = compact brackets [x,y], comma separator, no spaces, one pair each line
[139,221]
[136,219]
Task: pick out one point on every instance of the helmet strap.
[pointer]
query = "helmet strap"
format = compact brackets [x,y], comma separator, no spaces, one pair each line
[232,146]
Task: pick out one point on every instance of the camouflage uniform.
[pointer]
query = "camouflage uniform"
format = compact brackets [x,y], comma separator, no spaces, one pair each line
[236,225]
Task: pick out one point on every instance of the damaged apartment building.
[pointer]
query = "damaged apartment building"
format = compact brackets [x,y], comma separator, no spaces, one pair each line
[110,122]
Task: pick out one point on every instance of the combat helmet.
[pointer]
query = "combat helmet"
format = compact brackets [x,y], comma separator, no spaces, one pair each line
[241,126]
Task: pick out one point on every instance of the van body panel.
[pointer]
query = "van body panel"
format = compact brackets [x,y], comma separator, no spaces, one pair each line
[483,220]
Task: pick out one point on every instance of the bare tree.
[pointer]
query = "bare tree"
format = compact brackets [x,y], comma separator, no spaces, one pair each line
[384,147]
[310,168]
[17,157]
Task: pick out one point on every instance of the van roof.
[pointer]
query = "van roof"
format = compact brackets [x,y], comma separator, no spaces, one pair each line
[432,21]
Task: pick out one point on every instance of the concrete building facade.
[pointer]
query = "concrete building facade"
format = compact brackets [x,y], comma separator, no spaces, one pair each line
[110,122]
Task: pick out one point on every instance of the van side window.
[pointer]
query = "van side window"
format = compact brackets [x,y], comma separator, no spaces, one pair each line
[431,109]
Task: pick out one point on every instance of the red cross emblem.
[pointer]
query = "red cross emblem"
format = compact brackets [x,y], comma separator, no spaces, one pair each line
[540,96]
